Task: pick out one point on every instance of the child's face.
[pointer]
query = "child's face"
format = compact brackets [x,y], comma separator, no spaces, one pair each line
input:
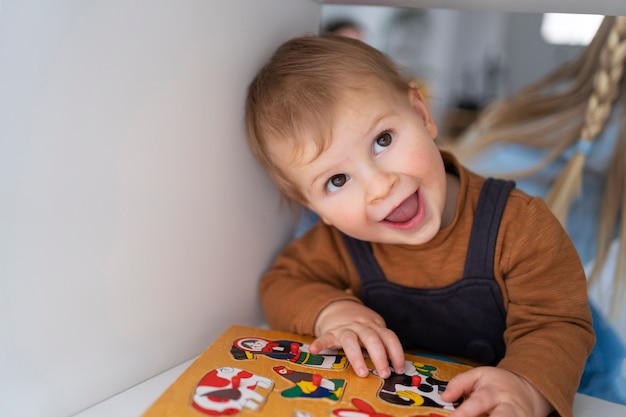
[382,179]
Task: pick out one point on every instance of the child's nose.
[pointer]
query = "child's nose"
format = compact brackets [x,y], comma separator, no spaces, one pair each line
[379,184]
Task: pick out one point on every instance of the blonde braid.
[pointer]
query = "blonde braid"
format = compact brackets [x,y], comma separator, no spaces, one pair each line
[539,115]
[542,117]
[599,105]
[614,198]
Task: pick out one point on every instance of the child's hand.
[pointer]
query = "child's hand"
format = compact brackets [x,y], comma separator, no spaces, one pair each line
[349,325]
[496,392]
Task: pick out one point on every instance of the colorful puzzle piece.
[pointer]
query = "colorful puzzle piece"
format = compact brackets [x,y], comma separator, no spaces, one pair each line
[363,409]
[227,391]
[310,385]
[288,350]
[416,387]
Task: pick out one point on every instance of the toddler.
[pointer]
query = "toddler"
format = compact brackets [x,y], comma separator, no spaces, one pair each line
[413,250]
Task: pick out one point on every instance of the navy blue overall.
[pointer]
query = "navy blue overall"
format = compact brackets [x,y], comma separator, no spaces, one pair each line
[465,319]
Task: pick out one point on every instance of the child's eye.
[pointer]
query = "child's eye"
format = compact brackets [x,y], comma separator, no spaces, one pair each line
[336,182]
[382,141]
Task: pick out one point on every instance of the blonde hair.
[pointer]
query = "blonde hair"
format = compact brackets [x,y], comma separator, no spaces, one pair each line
[294,97]
[546,116]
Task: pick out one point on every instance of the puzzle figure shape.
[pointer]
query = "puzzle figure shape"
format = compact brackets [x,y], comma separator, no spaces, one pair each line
[227,391]
[288,350]
[363,409]
[311,385]
[416,387]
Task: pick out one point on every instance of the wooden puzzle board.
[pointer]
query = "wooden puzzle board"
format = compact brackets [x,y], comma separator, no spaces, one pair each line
[256,372]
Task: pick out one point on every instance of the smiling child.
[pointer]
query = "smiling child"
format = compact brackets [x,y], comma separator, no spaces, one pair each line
[414,251]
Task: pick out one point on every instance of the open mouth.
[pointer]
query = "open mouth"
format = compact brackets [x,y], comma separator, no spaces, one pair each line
[406,211]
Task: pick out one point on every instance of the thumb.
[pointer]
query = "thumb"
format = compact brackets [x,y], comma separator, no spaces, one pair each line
[461,384]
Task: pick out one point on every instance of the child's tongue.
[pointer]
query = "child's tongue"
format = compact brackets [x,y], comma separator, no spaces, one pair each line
[405,211]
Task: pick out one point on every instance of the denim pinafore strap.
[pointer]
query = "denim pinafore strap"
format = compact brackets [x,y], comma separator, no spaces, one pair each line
[466,318]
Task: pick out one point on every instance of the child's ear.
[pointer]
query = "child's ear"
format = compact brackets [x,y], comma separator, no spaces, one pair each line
[419,105]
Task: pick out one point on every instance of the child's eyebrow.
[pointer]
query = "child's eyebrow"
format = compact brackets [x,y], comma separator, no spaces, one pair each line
[320,177]
[377,121]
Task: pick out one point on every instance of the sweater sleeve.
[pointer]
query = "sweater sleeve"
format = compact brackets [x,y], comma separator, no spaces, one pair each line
[307,276]
[549,330]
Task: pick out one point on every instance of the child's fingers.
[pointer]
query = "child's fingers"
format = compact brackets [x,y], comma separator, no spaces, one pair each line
[395,352]
[377,351]
[325,341]
[349,342]
[496,392]
[352,349]
[461,384]
[477,405]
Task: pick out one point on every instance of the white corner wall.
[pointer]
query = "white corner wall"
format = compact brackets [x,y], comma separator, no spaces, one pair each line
[134,223]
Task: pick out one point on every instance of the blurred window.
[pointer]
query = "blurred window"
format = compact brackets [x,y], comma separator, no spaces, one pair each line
[569,29]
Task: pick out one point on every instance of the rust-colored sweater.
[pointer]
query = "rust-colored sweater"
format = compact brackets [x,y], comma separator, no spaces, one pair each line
[549,334]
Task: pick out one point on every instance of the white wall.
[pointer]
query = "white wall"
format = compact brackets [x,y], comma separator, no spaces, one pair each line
[134,224]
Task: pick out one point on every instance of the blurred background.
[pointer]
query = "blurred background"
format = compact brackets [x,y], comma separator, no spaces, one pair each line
[466,58]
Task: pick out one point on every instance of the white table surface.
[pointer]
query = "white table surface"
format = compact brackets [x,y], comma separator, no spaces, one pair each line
[134,401]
